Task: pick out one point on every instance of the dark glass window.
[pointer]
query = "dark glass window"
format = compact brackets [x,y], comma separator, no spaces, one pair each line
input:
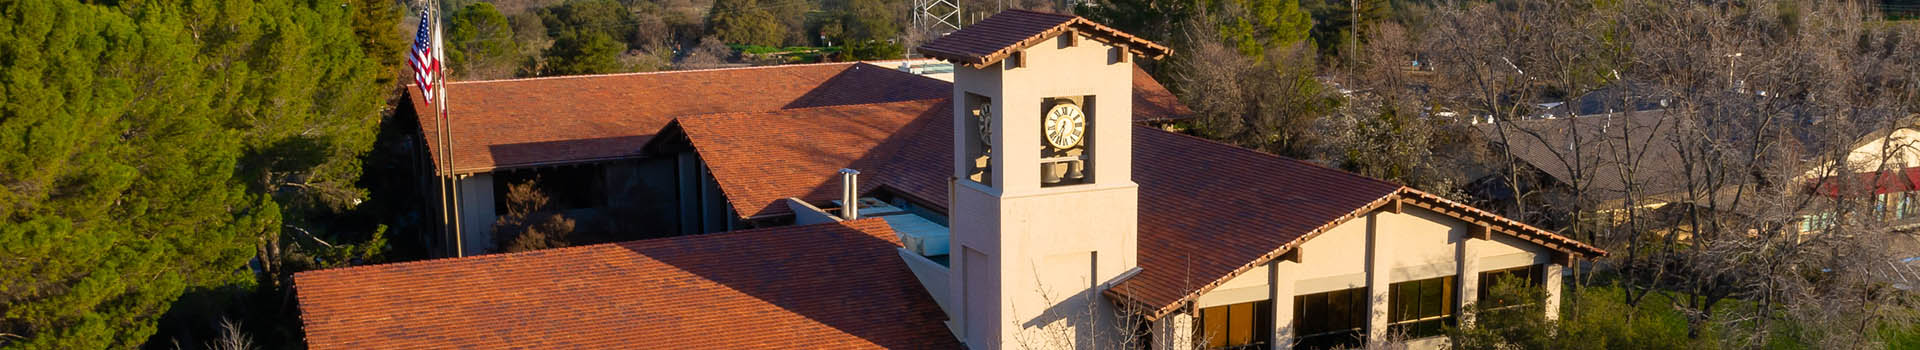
[1530,276]
[1336,319]
[1238,326]
[1421,308]
[567,187]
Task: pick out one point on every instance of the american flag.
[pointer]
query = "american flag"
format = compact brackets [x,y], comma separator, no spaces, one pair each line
[425,63]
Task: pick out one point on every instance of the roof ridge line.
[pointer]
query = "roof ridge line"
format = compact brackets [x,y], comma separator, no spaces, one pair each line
[1523,226]
[846,223]
[921,76]
[808,108]
[1402,193]
[1191,295]
[1263,153]
[603,75]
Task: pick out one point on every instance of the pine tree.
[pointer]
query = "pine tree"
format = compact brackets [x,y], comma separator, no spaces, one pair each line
[148,148]
[116,179]
[480,42]
[1253,26]
[583,52]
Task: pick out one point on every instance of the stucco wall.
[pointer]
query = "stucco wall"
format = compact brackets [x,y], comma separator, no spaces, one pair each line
[1041,250]
[1901,149]
[1414,245]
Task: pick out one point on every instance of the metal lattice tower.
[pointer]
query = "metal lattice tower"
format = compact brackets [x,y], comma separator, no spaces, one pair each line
[936,17]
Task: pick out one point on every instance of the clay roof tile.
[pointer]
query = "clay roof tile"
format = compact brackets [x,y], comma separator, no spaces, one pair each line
[834,285]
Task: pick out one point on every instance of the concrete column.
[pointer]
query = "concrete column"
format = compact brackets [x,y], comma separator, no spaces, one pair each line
[1280,281]
[476,213]
[1379,257]
[1468,257]
[687,175]
[1552,285]
[1173,332]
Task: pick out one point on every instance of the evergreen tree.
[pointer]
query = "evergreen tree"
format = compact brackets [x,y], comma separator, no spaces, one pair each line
[1253,26]
[117,188]
[745,22]
[583,52]
[373,23]
[601,16]
[480,42]
[1155,20]
[869,29]
[1334,23]
[148,148]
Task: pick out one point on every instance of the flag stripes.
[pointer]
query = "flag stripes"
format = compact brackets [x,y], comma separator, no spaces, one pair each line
[426,65]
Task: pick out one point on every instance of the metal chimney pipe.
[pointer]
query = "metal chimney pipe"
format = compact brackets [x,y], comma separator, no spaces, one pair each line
[849,194]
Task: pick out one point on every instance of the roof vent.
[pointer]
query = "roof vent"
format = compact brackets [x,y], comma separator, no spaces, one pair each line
[849,194]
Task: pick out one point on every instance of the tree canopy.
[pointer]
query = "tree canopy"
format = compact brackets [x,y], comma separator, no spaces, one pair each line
[745,22]
[149,147]
[480,41]
[582,52]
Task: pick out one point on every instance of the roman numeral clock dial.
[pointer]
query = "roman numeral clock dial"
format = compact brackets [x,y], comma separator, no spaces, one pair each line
[1065,126]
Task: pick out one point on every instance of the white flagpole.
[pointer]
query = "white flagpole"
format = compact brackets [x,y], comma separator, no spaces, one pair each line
[440,88]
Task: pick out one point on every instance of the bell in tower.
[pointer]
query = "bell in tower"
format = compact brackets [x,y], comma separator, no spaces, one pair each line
[1043,208]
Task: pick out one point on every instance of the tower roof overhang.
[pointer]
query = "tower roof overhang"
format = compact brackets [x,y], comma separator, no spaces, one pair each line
[996,38]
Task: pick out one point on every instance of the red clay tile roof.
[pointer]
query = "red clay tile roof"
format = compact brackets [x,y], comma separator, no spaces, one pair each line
[1152,102]
[1209,211]
[546,121]
[835,285]
[760,158]
[529,122]
[994,38]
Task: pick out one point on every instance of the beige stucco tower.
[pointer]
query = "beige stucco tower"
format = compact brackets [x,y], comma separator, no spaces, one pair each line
[1044,206]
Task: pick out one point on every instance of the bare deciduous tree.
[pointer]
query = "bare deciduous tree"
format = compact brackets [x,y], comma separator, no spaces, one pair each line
[1266,103]
[1752,97]
[530,221]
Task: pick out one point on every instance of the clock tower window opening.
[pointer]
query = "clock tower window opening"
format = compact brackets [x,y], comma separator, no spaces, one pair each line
[977,133]
[1066,141]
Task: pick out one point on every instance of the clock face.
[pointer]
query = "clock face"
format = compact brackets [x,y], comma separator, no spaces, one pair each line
[1065,125]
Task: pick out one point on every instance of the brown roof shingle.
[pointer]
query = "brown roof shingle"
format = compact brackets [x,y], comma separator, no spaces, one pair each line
[834,285]
[1209,211]
[993,39]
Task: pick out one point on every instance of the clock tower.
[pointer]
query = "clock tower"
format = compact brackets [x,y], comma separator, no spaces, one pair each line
[1044,206]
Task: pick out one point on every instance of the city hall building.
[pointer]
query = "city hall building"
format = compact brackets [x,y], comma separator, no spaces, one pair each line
[1024,201]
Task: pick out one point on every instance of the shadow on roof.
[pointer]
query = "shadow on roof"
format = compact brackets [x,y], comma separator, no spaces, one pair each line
[867,83]
[859,286]
[536,153]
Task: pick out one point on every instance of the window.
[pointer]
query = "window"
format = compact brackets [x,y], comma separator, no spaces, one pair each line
[569,187]
[1530,276]
[1066,144]
[1906,205]
[1880,204]
[1420,308]
[977,136]
[1336,319]
[1238,326]
[1816,222]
